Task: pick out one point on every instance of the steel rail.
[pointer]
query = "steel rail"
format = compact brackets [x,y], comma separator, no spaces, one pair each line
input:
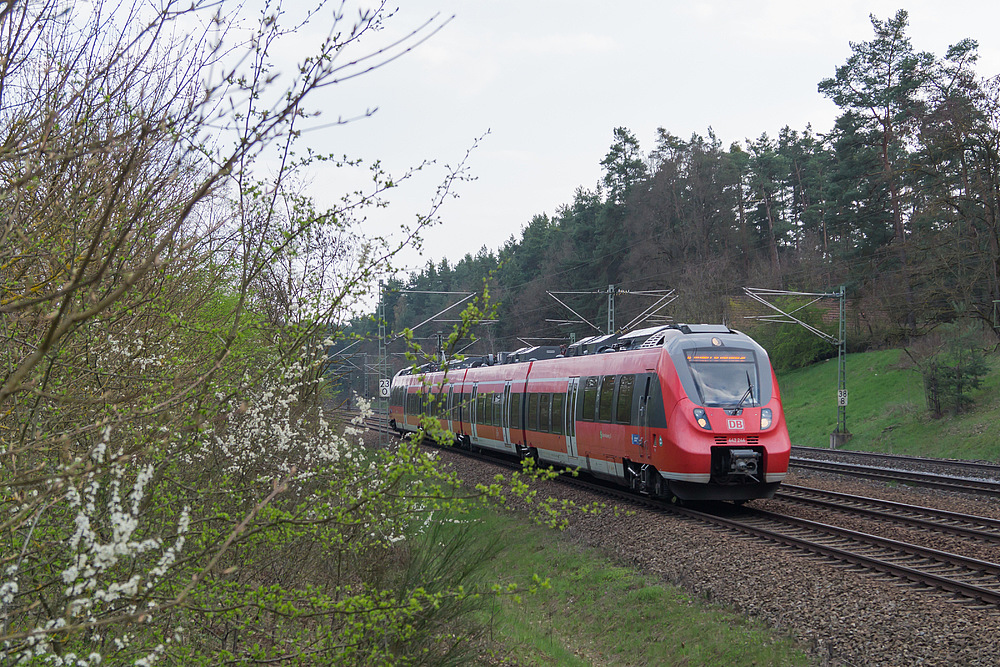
[980,466]
[973,591]
[971,566]
[945,482]
[965,525]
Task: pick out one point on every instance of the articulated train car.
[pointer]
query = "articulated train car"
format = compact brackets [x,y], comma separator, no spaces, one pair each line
[686,411]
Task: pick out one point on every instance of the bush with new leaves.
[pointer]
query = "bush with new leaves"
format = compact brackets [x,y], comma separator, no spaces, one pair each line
[172,486]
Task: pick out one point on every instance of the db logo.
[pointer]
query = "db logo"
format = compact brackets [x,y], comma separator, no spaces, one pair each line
[735,424]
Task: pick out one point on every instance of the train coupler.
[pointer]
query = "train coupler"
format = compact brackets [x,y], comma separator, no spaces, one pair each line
[737,465]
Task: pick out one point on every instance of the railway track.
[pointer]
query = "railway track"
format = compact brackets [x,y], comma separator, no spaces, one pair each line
[971,580]
[921,463]
[979,486]
[966,579]
[963,525]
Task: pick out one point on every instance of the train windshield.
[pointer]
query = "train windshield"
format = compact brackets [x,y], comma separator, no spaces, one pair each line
[725,377]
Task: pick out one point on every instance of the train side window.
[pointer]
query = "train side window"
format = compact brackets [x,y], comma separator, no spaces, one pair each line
[589,398]
[544,410]
[515,411]
[532,423]
[626,387]
[605,401]
[498,409]
[558,412]
[481,408]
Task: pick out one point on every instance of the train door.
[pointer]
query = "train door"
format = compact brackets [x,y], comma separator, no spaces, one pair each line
[570,412]
[505,413]
[645,446]
[449,408]
[473,419]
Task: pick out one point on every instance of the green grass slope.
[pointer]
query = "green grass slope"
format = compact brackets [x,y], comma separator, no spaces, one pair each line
[598,613]
[886,409]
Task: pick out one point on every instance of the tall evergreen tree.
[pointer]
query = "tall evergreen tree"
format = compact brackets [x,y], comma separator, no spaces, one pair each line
[880,85]
[624,166]
[767,171]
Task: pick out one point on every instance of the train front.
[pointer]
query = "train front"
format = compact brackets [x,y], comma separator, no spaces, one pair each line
[727,429]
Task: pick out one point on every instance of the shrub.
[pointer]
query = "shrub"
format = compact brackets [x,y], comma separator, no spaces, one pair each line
[952,364]
[790,345]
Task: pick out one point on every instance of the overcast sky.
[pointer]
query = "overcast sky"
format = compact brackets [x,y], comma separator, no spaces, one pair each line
[549,80]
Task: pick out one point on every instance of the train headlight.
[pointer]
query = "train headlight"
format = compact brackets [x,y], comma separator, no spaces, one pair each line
[766,418]
[701,417]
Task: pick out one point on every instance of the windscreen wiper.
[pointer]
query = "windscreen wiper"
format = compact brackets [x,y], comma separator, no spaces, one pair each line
[748,393]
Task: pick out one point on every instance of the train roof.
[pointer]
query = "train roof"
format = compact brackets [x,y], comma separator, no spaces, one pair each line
[650,337]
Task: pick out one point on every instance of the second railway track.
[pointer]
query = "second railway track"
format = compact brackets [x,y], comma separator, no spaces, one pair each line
[977,486]
[963,525]
[969,579]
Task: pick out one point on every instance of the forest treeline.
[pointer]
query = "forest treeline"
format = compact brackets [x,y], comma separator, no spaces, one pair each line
[897,202]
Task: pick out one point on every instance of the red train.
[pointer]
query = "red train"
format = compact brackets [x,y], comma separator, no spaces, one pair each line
[691,411]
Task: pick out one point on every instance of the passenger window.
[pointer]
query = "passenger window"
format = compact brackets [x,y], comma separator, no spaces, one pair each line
[624,407]
[607,395]
[532,423]
[544,405]
[558,414]
[589,398]
[515,411]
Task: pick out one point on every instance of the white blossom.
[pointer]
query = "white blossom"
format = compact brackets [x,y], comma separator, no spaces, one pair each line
[7,592]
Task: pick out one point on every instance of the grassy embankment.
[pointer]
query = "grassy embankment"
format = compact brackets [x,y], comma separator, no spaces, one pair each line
[597,613]
[887,411]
